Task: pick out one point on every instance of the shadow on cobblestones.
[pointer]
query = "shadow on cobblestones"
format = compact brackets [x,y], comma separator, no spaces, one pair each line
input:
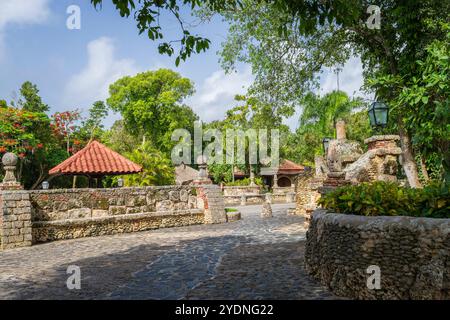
[253,258]
[99,276]
[207,268]
[268,271]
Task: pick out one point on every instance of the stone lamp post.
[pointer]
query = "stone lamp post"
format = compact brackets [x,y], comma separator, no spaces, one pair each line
[9,161]
[203,173]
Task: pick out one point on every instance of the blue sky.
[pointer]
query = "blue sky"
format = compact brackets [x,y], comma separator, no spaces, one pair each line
[73,68]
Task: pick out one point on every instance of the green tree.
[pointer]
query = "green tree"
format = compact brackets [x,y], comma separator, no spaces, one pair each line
[30,100]
[251,113]
[424,93]
[151,105]
[119,139]
[288,42]
[318,121]
[157,168]
[92,127]
[147,15]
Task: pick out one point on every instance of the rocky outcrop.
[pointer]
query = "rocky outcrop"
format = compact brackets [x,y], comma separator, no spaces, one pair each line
[378,163]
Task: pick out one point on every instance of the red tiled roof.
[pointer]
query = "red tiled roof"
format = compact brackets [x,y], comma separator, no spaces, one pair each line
[287,166]
[96,159]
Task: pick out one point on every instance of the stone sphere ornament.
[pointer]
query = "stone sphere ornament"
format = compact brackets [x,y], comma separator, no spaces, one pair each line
[9,159]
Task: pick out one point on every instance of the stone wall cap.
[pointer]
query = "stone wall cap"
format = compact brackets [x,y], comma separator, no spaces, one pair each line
[92,190]
[382,222]
[387,137]
[241,187]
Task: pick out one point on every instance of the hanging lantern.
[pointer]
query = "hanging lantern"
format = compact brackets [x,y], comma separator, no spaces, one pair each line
[378,114]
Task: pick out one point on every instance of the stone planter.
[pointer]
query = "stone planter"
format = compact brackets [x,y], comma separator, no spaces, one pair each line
[412,255]
[233,216]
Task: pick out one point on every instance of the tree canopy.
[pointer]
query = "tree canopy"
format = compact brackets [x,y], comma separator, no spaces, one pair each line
[151,105]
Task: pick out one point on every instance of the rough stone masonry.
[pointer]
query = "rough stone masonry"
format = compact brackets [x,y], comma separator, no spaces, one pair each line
[28,217]
[412,254]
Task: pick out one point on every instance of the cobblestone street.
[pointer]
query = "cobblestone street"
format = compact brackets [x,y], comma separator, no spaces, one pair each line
[253,258]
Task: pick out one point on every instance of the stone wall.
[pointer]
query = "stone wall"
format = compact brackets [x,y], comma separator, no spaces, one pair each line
[15,219]
[248,195]
[412,254]
[64,204]
[240,190]
[307,193]
[282,190]
[75,213]
[39,216]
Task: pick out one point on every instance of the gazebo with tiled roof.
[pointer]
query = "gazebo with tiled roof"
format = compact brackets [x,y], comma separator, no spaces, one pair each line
[284,175]
[96,161]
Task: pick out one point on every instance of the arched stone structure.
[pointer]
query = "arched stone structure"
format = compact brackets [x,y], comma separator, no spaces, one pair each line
[284,182]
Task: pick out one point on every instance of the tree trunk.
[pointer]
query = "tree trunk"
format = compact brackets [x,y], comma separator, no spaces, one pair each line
[40,178]
[423,169]
[408,161]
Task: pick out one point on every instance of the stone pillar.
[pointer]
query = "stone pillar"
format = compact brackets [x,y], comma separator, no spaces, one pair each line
[268,197]
[321,167]
[10,182]
[15,209]
[214,205]
[252,179]
[202,173]
[290,197]
[243,200]
[340,130]
[382,142]
[266,210]
[275,181]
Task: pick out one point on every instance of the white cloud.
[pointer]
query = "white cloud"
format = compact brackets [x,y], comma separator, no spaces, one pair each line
[216,93]
[102,69]
[21,13]
[350,79]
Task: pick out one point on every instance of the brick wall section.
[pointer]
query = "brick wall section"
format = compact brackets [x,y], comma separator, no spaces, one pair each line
[412,254]
[15,219]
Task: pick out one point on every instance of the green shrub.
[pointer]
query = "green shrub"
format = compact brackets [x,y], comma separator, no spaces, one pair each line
[231,210]
[389,199]
[245,182]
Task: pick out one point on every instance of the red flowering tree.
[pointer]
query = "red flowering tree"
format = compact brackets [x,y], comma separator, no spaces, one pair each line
[64,126]
[16,131]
